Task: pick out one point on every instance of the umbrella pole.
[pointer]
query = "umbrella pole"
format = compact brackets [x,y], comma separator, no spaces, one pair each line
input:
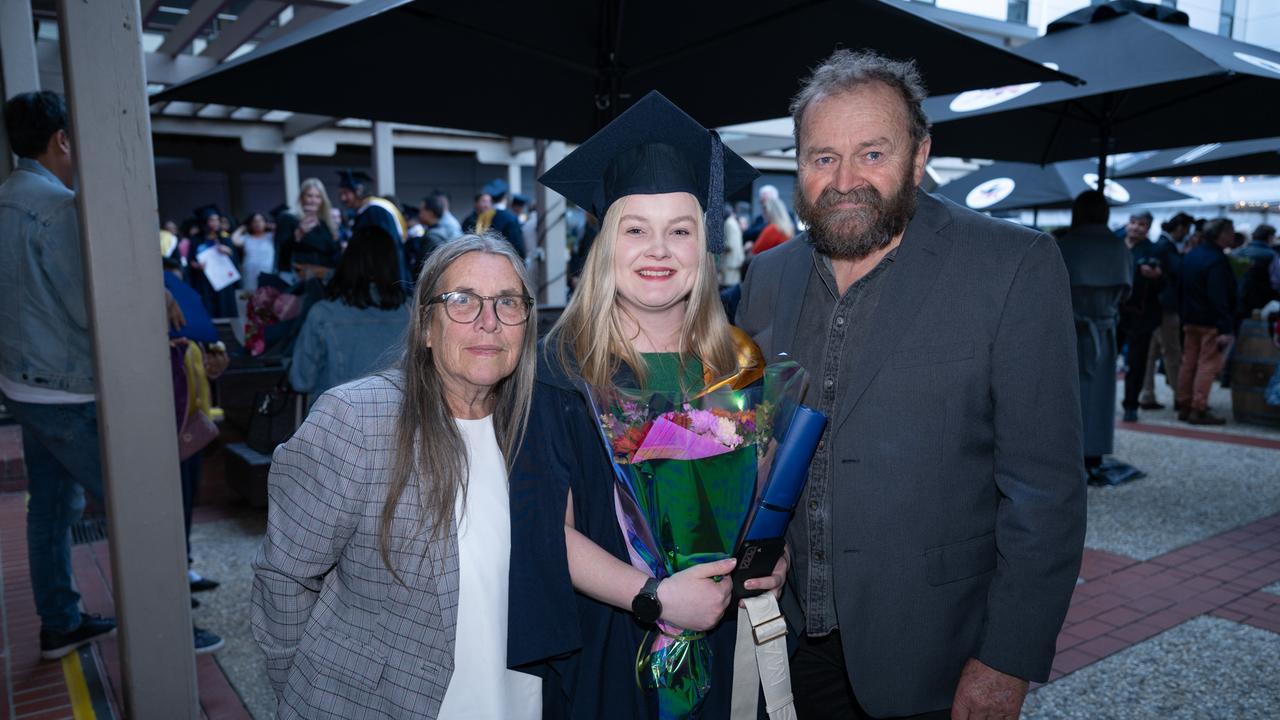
[1035,217]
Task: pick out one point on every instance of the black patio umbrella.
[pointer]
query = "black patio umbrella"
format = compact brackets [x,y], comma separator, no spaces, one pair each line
[1022,186]
[1152,82]
[561,70]
[1246,157]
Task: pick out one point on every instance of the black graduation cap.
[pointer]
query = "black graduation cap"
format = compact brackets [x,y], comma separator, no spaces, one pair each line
[205,212]
[652,148]
[519,199]
[496,188]
[349,179]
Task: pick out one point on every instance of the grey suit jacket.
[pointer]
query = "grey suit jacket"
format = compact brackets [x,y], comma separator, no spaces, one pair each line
[342,638]
[958,485]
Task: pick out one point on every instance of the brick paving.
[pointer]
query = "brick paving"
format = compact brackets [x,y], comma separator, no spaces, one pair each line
[1123,601]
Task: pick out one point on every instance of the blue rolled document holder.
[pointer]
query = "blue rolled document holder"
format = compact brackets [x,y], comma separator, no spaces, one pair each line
[764,534]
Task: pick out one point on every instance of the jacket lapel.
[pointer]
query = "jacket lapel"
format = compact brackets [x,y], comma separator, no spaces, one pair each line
[915,268]
[789,296]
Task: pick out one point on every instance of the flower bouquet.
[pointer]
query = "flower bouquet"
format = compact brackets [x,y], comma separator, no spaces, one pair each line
[688,470]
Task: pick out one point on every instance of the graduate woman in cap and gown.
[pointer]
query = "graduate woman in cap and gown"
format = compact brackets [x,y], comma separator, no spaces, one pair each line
[219,303]
[646,314]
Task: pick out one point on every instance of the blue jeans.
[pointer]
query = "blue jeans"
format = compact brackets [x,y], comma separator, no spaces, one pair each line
[60,446]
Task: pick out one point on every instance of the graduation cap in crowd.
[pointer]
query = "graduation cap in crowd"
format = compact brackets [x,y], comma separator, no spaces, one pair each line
[278,210]
[651,149]
[496,188]
[354,180]
[518,199]
[206,212]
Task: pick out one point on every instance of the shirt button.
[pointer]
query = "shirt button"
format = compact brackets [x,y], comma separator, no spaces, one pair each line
[813,504]
[829,383]
[840,320]
[817,555]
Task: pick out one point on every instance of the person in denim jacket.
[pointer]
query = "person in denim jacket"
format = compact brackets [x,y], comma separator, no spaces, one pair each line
[46,360]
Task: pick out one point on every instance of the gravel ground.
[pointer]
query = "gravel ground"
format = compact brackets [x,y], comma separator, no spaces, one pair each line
[1205,668]
[1193,490]
[1219,403]
[223,550]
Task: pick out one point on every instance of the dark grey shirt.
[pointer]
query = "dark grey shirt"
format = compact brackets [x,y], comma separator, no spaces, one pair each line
[831,329]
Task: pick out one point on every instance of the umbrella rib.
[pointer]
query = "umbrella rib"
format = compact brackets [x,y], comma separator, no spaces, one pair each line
[523,47]
[1231,79]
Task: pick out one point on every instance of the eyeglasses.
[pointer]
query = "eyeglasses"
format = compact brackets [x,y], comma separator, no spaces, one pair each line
[464,307]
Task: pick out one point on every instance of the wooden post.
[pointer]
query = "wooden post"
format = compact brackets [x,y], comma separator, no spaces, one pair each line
[111,140]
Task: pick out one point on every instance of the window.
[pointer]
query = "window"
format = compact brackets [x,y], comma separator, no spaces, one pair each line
[1018,11]
[1226,17]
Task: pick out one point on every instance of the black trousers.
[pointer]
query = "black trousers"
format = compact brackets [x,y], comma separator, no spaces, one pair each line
[1139,343]
[820,684]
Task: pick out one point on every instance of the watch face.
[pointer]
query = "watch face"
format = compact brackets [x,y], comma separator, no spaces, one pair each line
[646,608]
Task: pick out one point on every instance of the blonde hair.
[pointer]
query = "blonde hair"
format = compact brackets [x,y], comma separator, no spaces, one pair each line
[776,213]
[325,215]
[590,339]
[429,450]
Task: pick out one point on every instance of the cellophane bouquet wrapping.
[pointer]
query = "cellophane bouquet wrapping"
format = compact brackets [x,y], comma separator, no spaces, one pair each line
[688,468]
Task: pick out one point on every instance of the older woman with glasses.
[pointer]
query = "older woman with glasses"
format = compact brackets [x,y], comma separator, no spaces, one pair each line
[381,585]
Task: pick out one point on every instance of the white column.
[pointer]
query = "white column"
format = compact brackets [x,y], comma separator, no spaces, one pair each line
[291,181]
[384,161]
[513,177]
[111,139]
[18,70]
[18,48]
[557,254]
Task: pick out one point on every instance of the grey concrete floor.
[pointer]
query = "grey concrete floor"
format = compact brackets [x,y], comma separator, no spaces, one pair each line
[1204,669]
[1193,490]
[223,550]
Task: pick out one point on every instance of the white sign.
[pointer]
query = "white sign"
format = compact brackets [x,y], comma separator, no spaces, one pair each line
[981,99]
[1256,61]
[1114,191]
[989,193]
[217,267]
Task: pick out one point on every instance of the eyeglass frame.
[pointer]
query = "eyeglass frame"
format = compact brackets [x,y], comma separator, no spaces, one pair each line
[442,299]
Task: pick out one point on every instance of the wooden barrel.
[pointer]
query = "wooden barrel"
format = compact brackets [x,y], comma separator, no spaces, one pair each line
[1254,363]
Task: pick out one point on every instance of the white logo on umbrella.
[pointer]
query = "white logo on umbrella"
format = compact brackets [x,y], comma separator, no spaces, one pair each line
[1196,153]
[1114,191]
[989,193]
[979,99]
[1263,63]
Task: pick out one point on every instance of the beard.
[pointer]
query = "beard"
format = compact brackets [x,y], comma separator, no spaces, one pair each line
[854,233]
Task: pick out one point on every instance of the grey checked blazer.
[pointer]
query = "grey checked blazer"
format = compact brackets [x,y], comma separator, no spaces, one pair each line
[342,638]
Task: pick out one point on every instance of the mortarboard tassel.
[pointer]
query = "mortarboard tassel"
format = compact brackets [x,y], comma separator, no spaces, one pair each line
[715,197]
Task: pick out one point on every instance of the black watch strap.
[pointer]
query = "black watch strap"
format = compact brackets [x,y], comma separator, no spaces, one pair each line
[646,606]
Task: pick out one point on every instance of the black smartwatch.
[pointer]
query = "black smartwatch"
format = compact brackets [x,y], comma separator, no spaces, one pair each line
[645,605]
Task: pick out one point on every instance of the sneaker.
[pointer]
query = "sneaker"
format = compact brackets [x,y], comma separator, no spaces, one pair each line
[1131,415]
[54,645]
[1151,405]
[1205,417]
[199,583]
[206,642]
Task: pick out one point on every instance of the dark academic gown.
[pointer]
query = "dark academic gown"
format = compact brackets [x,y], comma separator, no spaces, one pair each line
[317,247]
[219,303]
[380,213]
[504,222]
[584,650]
[1101,272]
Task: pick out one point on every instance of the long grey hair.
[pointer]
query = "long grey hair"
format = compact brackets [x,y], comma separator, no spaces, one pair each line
[429,451]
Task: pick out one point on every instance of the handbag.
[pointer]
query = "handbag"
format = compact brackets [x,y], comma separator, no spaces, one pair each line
[196,434]
[274,418]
